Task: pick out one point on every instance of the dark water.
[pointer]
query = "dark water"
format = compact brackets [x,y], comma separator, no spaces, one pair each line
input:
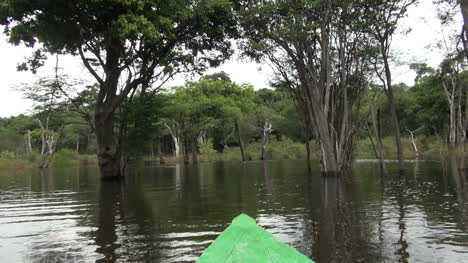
[172,213]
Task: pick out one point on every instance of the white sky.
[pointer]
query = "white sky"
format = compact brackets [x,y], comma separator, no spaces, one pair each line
[418,45]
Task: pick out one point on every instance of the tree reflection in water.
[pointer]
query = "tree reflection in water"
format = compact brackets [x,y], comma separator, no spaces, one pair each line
[110,207]
[458,169]
[343,232]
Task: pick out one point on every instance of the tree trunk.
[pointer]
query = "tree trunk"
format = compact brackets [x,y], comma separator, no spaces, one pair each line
[262,155]
[186,151]
[152,146]
[241,143]
[327,152]
[48,144]
[194,150]
[77,144]
[307,145]
[28,142]
[452,137]
[464,11]
[109,156]
[159,151]
[376,128]
[393,112]
[266,132]
[175,137]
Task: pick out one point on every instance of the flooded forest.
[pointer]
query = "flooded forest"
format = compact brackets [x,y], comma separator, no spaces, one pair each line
[141,132]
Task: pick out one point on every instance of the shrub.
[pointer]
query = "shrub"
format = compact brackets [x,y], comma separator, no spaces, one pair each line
[207,152]
[7,155]
[65,157]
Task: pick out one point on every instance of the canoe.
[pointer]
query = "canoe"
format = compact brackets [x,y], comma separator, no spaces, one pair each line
[244,241]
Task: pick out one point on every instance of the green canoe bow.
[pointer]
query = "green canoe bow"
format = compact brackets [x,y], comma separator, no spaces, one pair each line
[244,241]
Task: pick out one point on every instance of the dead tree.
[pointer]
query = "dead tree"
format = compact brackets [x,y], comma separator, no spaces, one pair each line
[48,144]
[267,129]
[413,140]
[28,143]
[174,130]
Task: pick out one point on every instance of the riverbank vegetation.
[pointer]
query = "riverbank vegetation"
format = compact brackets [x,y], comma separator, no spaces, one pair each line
[332,95]
[286,149]
[217,119]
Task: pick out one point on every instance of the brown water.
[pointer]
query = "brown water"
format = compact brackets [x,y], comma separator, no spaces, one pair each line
[172,213]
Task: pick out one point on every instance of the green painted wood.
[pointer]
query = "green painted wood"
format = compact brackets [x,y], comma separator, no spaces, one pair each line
[244,241]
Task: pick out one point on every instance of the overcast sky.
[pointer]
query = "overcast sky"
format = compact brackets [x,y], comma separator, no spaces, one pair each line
[418,45]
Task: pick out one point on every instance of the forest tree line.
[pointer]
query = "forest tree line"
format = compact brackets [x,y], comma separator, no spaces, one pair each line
[332,63]
[178,121]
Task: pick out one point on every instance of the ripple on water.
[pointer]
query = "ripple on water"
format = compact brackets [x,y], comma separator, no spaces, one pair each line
[45,227]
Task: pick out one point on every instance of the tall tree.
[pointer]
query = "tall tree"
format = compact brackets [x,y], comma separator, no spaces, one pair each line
[464,11]
[124,45]
[385,16]
[316,47]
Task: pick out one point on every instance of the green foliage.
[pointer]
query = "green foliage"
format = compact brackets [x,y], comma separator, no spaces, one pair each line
[12,160]
[426,106]
[65,158]
[207,152]
[277,150]
[429,146]
[6,155]
[139,121]
[64,27]
[210,104]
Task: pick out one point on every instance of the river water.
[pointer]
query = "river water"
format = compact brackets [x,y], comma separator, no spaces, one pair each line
[172,213]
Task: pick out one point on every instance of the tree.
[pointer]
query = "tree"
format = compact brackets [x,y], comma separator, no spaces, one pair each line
[138,121]
[385,16]
[427,105]
[316,48]
[267,115]
[124,45]
[456,91]
[374,131]
[196,107]
[48,143]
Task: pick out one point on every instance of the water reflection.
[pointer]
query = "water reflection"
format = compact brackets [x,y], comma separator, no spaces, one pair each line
[172,213]
[344,233]
[110,210]
[42,219]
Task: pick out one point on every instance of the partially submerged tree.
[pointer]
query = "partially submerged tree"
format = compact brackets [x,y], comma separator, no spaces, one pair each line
[124,45]
[374,129]
[49,141]
[266,115]
[456,91]
[385,16]
[318,49]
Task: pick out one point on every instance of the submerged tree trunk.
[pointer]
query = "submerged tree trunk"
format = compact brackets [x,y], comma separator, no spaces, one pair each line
[159,151]
[376,131]
[28,143]
[328,158]
[241,143]
[186,151]
[413,141]
[194,150]
[265,133]
[152,146]
[48,144]
[174,131]
[455,122]
[109,155]
[393,111]
[77,144]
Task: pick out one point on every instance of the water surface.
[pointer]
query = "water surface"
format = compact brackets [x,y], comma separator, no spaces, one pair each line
[172,213]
